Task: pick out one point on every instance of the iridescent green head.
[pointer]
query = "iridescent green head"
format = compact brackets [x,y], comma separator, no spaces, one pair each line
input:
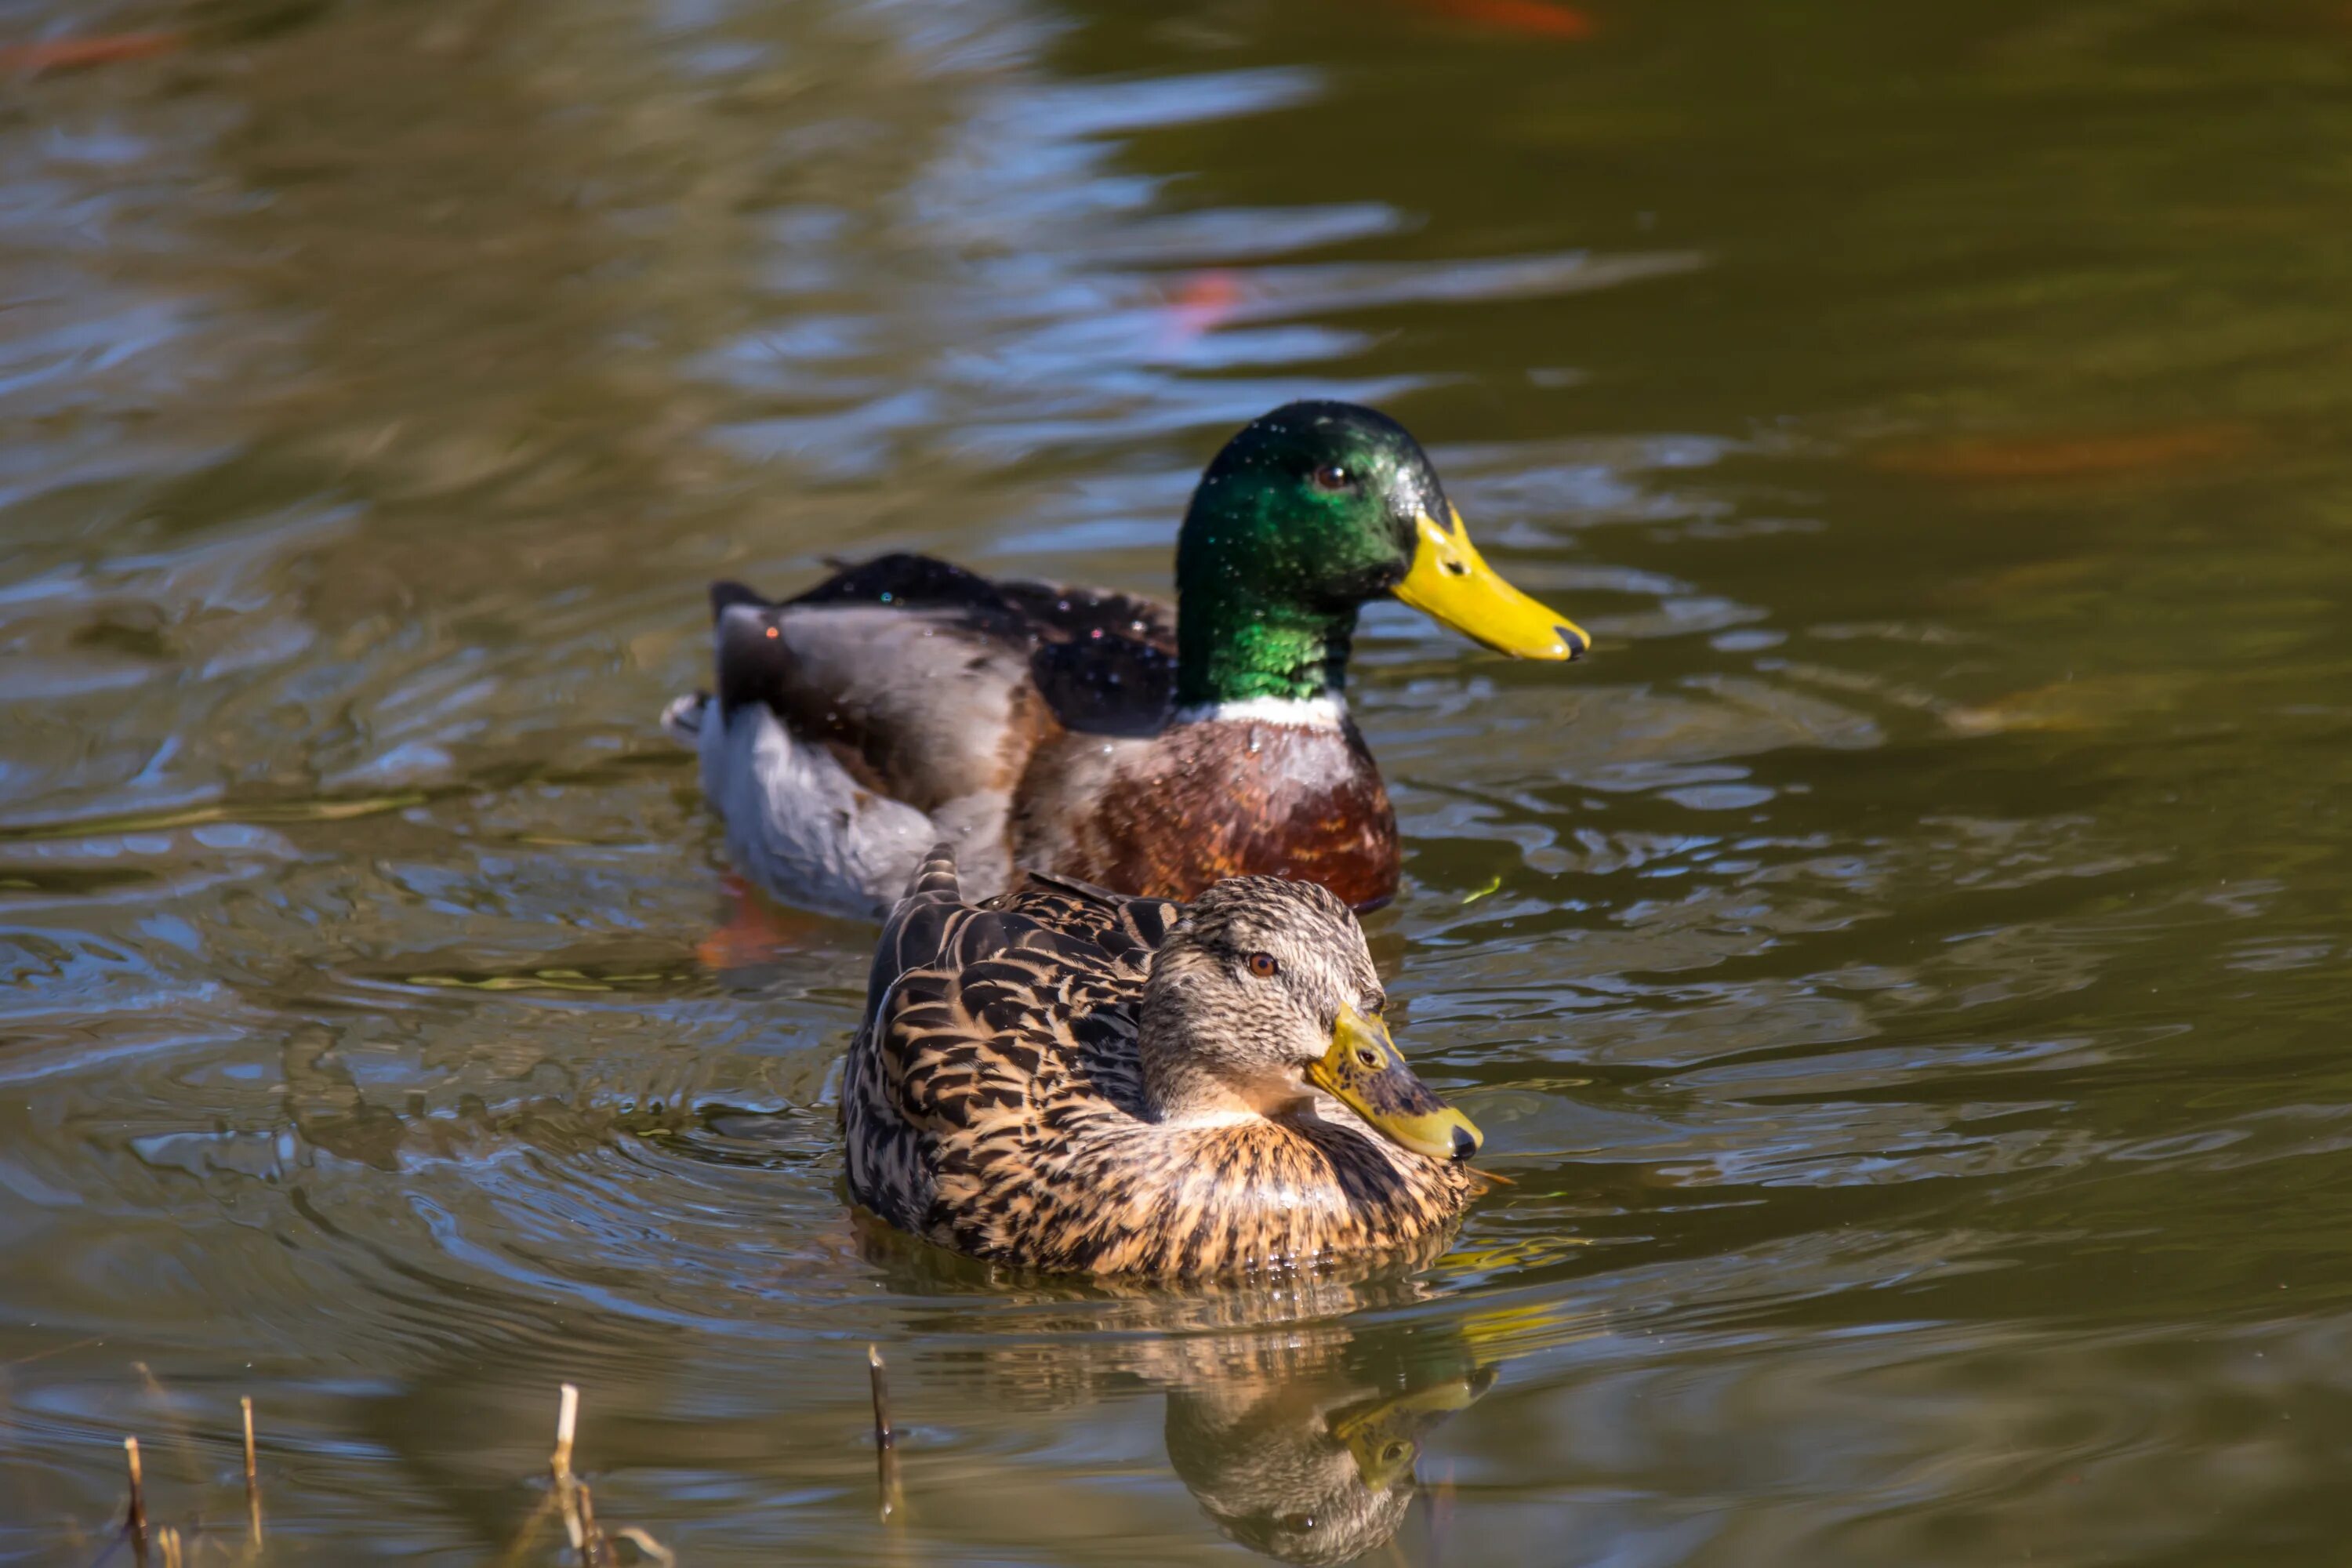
[1308,512]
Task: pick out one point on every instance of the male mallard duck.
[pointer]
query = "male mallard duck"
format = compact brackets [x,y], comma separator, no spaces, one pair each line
[1093,734]
[1067,1079]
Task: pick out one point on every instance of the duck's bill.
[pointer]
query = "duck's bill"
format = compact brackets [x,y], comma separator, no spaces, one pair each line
[1451,583]
[1364,1071]
[1384,1434]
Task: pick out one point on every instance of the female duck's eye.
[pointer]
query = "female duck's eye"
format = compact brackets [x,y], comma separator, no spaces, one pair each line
[1368,1057]
[1333,478]
[1265,965]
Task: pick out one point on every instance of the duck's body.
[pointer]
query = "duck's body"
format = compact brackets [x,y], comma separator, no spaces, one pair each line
[907,701]
[1012,1096]
[1090,733]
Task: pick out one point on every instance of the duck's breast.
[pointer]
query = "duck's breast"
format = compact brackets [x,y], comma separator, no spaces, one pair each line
[1238,792]
[1250,1193]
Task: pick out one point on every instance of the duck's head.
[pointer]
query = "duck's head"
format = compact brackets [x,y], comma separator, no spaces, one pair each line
[1306,1471]
[1266,996]
[1305,514]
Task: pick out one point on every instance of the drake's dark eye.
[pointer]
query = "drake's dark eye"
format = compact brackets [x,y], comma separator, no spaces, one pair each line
[1333,478]
[1265,965]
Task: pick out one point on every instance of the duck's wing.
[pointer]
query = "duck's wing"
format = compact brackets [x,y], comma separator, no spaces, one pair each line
[1126,930]
[1106,661]
[953,989]
[932,928]
[1094,614]
[939,681]
[912,1067]
[1057,936]
[900,701]
[986,1023]
[913,671]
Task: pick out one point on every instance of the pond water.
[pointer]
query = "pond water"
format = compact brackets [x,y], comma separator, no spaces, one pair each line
[1904,972]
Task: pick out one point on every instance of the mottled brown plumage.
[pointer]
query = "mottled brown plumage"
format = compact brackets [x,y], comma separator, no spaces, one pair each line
[1070,1079]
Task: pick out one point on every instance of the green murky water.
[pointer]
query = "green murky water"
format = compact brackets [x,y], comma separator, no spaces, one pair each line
[1905,972]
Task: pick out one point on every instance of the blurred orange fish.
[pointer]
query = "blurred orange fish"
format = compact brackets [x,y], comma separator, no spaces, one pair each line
[95,49]
[1529,19]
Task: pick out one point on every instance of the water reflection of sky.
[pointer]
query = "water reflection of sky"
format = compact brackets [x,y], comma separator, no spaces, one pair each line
[1035,293]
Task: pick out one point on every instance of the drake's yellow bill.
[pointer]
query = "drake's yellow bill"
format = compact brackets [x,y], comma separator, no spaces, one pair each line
[1450,582]
[1365,1072]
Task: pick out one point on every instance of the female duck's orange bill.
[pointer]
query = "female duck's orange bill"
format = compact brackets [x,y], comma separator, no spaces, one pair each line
[1451,583]
[1365,1072]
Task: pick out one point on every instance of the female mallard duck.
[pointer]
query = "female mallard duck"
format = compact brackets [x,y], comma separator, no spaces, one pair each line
[1316,1469]
[1092,734]
[1066,1078]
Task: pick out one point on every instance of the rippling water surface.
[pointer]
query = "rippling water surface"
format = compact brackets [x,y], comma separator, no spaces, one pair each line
[1905,972]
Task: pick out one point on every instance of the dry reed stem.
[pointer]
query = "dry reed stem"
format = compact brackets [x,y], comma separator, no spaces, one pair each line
[648,1545]
[252,1478]
[567,1423]
[592,1539]
[886,1440]
[559,1469]
[135,1519]
[574,1503]
[571,1497]
[528,1533]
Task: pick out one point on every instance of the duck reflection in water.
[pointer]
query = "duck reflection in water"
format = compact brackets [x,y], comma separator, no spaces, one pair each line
[1297,1431]
[1318,1470]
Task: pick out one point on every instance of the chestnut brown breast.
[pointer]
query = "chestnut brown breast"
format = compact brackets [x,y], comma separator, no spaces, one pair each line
[1166,815]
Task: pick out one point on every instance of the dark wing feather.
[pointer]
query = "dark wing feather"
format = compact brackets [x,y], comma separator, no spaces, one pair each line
[1092,615]
[1105,661]
[915,583]
[1108,688]
[921,1070]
